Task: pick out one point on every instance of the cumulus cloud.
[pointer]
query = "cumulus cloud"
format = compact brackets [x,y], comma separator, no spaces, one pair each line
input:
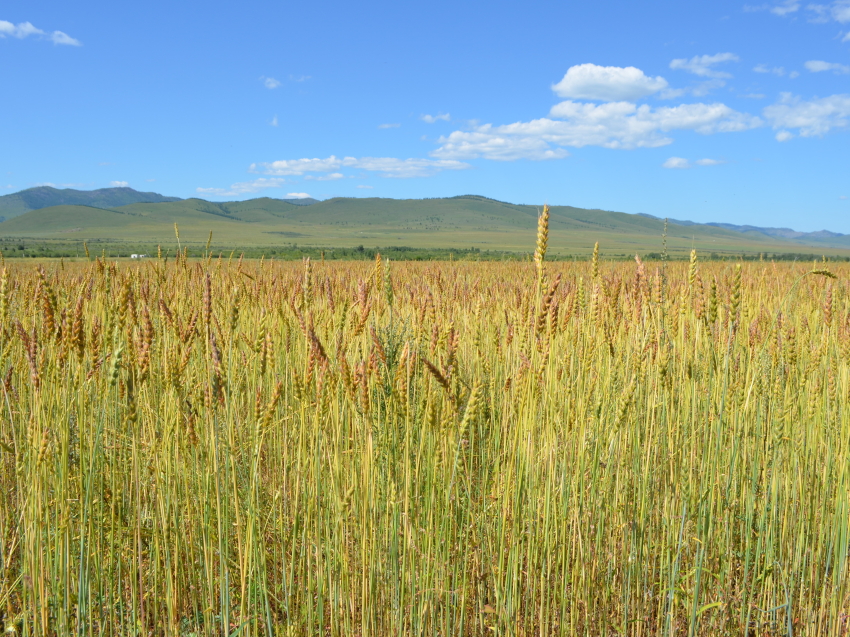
[811,118]
[819,66]
[763,68]
[57,37]
[329,177]
[270,82]
[620,125]
[274,121]
[781,9]
[25,29]
[522,140]
[119,184]
[21,30]
[430,119]
[681,162]
[702,65]
[383,126]
[404,168]
[677,162]
[365,186]
[242,188]
[297,195]
[786,7]
[298,166]
[839,10]
[607,83]
[704,88]
[385,166]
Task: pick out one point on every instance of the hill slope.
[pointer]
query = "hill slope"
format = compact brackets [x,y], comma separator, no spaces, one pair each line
[46,196]
[458,222]
[818,238]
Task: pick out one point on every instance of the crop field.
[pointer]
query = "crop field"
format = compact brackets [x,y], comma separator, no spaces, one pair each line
[233,447]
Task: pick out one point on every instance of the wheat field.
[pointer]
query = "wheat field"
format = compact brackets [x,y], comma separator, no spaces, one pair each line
[223,447]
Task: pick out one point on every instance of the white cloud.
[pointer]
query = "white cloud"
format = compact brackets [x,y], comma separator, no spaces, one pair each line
[119,184]
[841,197]
[846,37]
[20,31]
[299,78]
[57,37]
[784,136]
[405,168]
[681,162]
[359,186]
[430,119]
[387,166]
[793,74]
[783,8]
[789,6]
[25,29]
[297,195]
[621,125]
[701,89]
[270,82]
[819,66]
[704,88]
[329,177]
[839,10]
[244,187]
[786,7]
[299,166]
[607,83]
[776,70]
[811,118]
[382,126]
[702,64]
[522,140]
[274,121]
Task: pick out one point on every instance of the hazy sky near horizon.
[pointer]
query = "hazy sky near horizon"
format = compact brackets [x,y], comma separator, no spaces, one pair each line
[722,111]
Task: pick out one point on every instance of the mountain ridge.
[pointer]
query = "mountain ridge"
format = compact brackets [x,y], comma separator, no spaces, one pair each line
[784,233]
[460,221]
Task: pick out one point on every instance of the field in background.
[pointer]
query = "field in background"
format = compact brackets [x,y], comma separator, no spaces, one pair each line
[262,448]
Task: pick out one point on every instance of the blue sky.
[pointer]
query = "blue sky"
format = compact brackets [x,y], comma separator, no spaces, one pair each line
[718,111]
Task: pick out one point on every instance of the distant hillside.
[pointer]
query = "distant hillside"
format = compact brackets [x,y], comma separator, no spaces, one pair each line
[467,221]
[819,237]
[45,196]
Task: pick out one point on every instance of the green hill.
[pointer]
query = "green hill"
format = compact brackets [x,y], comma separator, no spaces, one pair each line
[46,196]
[453,223]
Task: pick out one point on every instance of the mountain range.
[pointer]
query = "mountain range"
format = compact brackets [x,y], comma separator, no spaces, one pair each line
[782,233]
[123,214]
